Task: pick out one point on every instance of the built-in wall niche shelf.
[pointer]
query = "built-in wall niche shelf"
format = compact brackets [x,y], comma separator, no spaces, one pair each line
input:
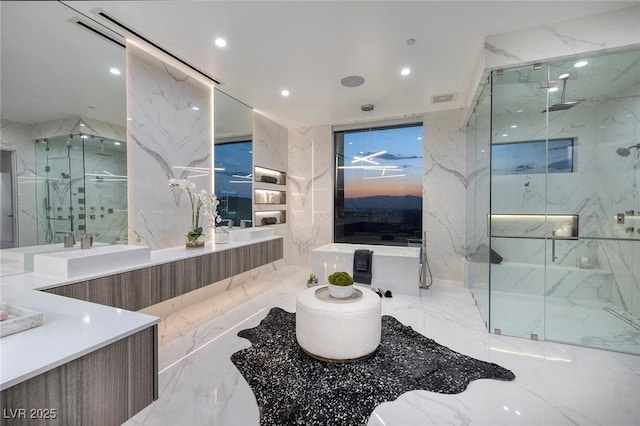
[534,225]
[264,175]
[271,217]
[268,196]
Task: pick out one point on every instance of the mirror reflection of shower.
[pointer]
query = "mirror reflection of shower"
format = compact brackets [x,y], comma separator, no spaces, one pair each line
[624,152]
[81,188]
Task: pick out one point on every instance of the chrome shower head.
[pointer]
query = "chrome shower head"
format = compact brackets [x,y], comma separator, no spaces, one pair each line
[562,105]
[624,152]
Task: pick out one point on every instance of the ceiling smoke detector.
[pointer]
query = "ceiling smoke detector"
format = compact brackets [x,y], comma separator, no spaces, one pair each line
[366,107]
[444,98]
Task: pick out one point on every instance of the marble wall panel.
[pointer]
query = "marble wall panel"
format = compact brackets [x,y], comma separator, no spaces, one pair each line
[311,191]
[72,125]
[444,194]
[270,150]
[617,191]
[270,144]
[164,131]
[604,31]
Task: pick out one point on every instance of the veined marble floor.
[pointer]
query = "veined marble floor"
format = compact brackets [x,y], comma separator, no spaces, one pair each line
[555,384]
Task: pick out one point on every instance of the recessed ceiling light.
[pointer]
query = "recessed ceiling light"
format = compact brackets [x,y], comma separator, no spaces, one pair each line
[410,41]
[580,64]
[405,71]
[82,124]
[114,71]
[552,89]
[563,76]
[220,42]
[284,92]
[520,110]
[129,119]
[513,126]
[504,135]
[195,108]
[116,143]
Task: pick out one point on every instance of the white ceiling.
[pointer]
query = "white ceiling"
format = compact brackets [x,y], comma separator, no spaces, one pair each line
[309,46]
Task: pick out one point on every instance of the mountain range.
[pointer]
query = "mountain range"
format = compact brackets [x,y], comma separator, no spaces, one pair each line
[378,202]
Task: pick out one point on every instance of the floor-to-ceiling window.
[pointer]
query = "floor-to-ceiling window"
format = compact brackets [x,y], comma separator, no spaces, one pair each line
[379,185]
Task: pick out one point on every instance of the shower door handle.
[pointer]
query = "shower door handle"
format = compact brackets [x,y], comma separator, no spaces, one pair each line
[553,250]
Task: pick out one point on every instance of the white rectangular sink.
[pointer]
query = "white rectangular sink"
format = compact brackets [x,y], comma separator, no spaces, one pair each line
[22,257]
[96,260]
[250,234]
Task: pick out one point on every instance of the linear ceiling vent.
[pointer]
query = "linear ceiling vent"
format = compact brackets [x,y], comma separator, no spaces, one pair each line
[449,97]
[119,24]
[93,29]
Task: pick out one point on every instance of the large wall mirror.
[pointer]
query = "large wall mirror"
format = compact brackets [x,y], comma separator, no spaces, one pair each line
[233,157]
[63,139]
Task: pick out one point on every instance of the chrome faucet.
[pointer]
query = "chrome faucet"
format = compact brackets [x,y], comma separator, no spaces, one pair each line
[86,241]
[69,239]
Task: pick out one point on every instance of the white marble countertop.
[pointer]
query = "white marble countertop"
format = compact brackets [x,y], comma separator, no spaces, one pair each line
[72,328]
[34,281]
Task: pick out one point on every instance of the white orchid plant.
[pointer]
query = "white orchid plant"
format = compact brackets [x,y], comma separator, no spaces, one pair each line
[204,207]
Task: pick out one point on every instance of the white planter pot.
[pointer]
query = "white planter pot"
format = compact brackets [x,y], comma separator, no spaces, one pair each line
[340,291]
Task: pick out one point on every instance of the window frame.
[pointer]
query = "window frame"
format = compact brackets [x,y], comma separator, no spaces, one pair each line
[339,133]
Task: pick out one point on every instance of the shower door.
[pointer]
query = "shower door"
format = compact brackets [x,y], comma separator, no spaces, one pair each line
[593,277]
[565,202]
[517,228]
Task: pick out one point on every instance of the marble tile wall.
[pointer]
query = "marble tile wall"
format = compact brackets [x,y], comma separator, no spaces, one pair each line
[609,30]
[311,190]
[72,125]
[617,191]
[270,150]
[164,132]
[444,194]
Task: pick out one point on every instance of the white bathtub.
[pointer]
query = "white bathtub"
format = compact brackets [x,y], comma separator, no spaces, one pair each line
[393,268]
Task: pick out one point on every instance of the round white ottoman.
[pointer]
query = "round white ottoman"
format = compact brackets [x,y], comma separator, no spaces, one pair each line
[338,330]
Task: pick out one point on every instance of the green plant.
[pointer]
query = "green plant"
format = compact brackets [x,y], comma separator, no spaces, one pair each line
[312,279]
[340,278]
[201,203]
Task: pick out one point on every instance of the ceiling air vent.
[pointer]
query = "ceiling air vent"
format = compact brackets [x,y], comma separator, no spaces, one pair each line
[438,99]
[130,30]
[100,32]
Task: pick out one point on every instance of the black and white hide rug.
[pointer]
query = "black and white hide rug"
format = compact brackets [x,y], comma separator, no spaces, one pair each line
[292,388]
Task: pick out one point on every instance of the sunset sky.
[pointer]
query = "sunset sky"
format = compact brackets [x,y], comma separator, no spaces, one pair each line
[403,148]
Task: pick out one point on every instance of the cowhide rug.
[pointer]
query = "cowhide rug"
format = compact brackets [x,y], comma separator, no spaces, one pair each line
[292,388]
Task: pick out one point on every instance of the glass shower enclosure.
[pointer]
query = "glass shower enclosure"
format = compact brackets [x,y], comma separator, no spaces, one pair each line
[554,159]
[81,187]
